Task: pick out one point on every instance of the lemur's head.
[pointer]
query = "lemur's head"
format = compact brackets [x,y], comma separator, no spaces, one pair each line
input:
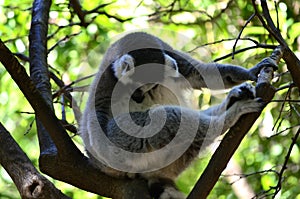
[146,67]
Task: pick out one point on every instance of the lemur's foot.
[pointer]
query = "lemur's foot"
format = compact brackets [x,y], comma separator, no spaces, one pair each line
[241,92]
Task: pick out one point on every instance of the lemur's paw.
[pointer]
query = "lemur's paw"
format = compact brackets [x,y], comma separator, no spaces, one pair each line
[241,92]
[266,62]
[269,62]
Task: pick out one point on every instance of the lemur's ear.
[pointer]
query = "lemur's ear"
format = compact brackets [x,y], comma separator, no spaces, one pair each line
[172,71]
[123,65]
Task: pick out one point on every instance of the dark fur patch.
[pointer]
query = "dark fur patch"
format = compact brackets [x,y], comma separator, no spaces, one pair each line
[244,94]
[157,188]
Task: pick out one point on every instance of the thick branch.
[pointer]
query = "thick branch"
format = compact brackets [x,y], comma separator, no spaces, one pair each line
[233,137]
[38,48]
[30,183]
[40,76]
[42,109]
[38,65]
[83,175]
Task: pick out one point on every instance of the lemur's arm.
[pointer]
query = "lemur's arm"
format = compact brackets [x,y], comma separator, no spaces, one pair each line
[216,75]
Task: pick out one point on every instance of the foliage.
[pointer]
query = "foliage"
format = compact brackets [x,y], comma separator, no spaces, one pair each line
[76,51]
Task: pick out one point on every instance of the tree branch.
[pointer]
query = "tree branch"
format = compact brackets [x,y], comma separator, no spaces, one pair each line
[291,60]
[258,45]
[38,66]
[240,33]
[30,183]
[234,136]
[81,13]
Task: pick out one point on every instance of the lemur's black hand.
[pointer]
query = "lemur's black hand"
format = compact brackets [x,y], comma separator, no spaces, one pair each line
[266,62]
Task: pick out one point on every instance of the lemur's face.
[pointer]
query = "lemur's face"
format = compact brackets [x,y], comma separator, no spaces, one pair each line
[146,67]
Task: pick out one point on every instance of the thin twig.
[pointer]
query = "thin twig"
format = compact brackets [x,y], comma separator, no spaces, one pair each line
[240,33]
[291,85]
[242,175]
[220,41]
[281,109]
[284,166]
[68,87]
[64,39]
[266,46]
[292,101]
[284,130]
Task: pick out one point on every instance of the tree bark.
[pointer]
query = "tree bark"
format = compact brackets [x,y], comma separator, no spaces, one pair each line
[30,183]
[39,73]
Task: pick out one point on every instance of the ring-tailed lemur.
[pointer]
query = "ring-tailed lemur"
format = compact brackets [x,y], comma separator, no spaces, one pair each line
[137,122]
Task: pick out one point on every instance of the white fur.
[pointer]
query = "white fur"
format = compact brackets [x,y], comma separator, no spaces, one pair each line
[123,65]
[170,62]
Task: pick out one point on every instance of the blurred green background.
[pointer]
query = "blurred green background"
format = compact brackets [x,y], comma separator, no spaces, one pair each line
[188,25]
